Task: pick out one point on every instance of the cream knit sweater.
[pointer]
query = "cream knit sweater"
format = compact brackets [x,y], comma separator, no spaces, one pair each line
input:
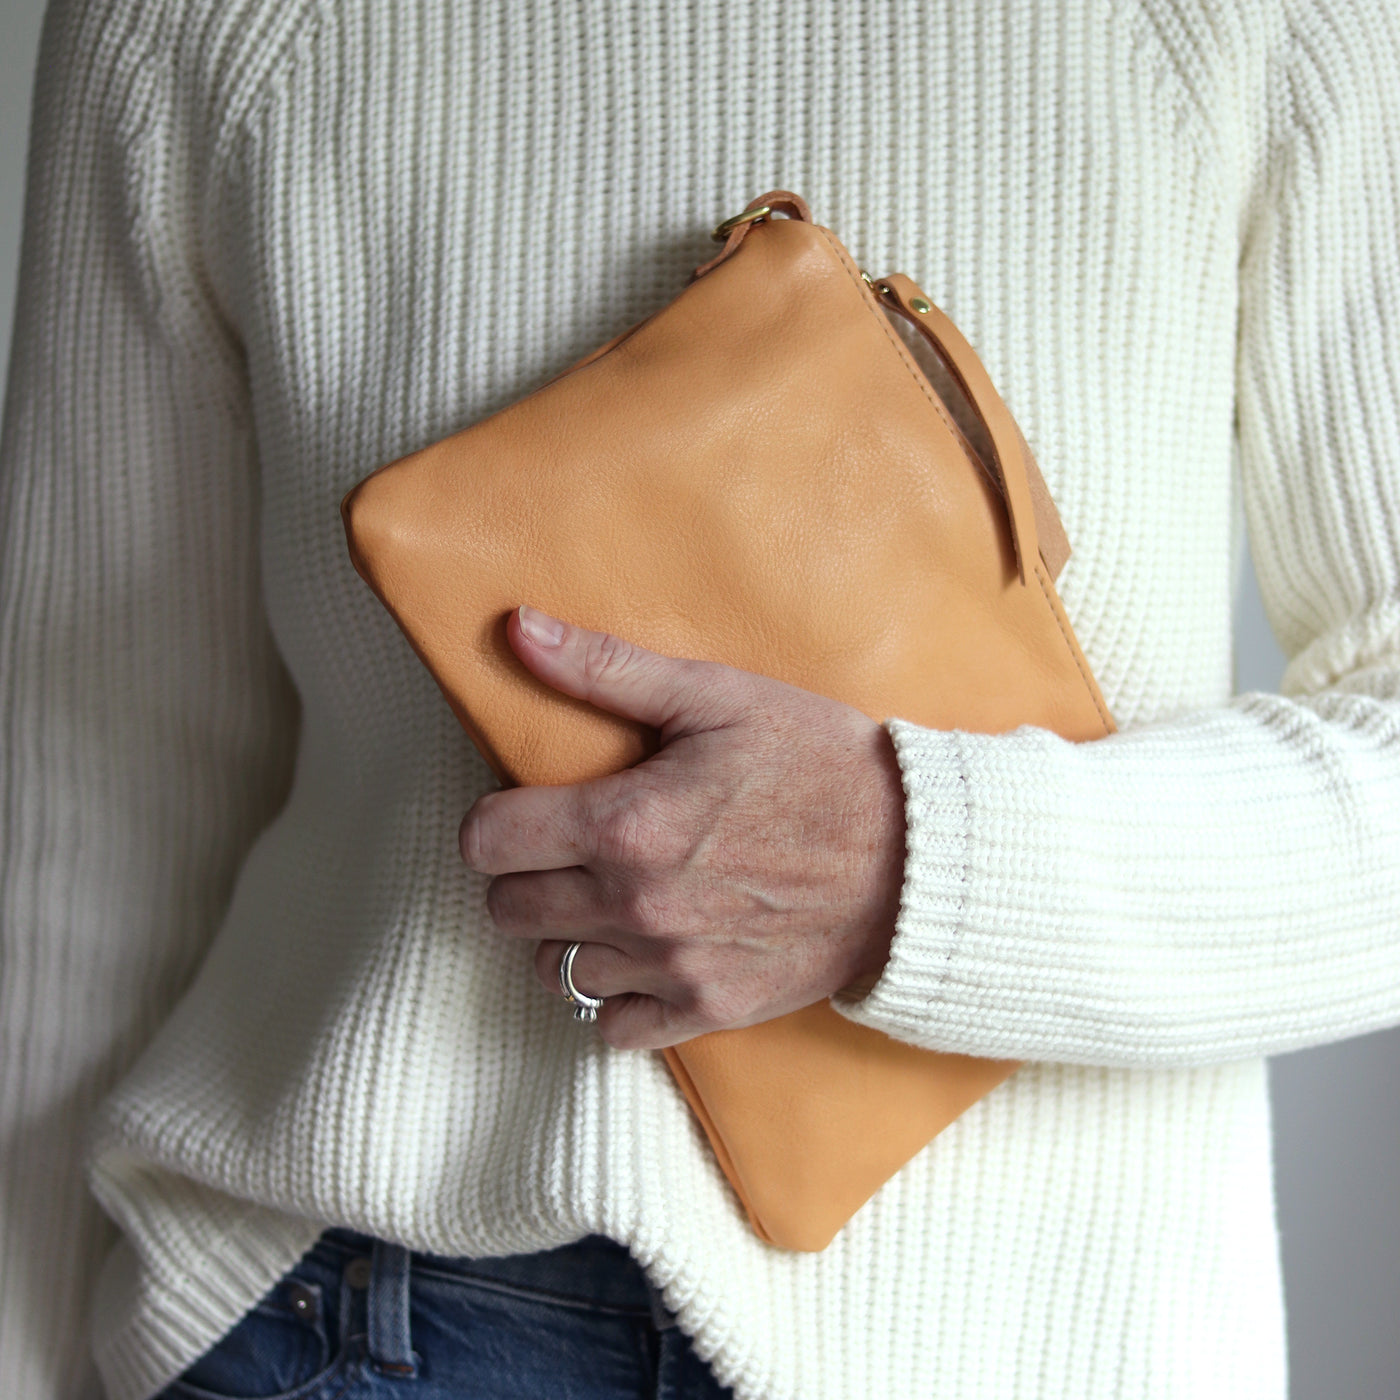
[272,244]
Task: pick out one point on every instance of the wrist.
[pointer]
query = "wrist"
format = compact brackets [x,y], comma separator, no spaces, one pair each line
[888,850]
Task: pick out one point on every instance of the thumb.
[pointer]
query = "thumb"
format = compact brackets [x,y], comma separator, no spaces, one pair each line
[673,695]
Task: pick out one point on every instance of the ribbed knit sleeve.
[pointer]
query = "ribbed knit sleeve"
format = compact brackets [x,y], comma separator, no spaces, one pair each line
[1226,883]
[146,723]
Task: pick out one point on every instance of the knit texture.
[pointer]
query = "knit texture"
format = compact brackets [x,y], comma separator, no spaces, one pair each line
[273,244]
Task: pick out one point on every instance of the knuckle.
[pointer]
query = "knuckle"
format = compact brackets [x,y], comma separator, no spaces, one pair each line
[708,1000]
[607,658]
[625,835]
[645,910]
[669,958]
[714,1010]
[668,845]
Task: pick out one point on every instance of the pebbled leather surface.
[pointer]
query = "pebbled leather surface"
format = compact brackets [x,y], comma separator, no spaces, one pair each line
[760,474]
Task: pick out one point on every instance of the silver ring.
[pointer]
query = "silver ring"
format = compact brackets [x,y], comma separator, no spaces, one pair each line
[585,1006]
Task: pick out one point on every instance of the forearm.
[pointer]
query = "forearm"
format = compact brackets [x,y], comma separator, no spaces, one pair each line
[146,722]
[1214,888]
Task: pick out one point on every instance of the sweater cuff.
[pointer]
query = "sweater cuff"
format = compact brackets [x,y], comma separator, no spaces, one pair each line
[934,893]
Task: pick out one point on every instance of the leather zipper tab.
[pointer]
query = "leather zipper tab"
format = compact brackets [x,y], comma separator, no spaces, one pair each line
[903,295]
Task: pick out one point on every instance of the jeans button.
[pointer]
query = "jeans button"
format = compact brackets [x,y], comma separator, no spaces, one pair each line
[357,1272]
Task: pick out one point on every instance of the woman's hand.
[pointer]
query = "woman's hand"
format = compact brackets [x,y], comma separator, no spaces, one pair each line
[750,867]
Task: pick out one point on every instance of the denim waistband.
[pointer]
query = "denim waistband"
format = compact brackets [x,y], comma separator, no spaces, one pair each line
[595,1271]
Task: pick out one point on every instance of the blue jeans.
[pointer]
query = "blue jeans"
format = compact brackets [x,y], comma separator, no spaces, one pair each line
[358,1318]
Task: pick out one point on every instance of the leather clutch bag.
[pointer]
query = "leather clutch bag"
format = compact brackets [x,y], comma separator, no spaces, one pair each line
[760,473]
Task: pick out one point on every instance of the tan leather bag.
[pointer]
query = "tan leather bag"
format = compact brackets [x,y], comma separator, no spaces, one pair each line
[759,473]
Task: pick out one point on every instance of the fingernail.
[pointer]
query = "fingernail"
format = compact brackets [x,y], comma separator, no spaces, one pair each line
[541,629]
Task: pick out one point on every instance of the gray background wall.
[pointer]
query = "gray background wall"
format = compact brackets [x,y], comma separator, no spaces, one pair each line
[1337,1123]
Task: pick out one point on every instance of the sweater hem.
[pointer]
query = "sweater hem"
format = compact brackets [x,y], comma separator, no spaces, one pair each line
[934,894]
[152,1319]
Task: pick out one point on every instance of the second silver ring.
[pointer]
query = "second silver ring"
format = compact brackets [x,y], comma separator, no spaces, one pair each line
[585,1006]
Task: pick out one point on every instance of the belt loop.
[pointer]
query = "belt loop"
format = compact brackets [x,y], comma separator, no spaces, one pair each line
[390,1345]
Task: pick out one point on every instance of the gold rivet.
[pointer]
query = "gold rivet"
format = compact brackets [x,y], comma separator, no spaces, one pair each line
[919,304]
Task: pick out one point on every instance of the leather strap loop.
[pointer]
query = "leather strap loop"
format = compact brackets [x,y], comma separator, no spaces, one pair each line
[791,204]
[973,379]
